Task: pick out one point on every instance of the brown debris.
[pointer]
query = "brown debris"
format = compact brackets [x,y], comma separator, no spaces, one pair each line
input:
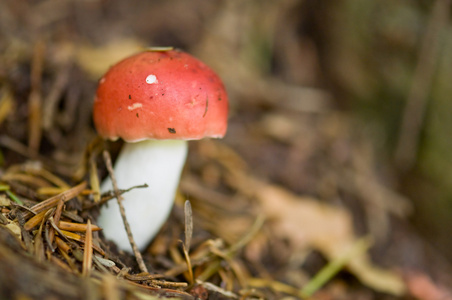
[35,98]
[296,185]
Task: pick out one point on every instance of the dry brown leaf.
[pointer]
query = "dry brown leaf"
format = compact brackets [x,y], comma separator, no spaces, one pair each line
[422,287]
[4,201]
[96,60]
[14,228]
[308,223]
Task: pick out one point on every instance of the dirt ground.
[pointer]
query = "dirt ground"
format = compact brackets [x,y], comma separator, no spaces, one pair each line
[332,181]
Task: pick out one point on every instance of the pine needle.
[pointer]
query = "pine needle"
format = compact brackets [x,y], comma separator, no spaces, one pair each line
[88,251]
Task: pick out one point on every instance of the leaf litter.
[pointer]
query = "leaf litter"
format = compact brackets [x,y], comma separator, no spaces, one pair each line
[262,205]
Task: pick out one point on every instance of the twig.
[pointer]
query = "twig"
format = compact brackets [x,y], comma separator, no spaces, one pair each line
[188,224]
[169,284]
[119,198]
[141,277]
[108,196]
[53,201]
[188,235]
[414,113]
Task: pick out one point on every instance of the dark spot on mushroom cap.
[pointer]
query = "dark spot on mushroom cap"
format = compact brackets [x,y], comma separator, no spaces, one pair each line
[172,130]
[138,115]
[207,107]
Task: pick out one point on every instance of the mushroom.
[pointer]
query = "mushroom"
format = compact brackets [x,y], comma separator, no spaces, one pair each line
[155,101]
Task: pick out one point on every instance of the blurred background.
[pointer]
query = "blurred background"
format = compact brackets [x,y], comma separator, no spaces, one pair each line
[345,102]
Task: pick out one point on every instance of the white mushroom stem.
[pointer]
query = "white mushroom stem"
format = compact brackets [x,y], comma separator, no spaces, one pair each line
[159,165]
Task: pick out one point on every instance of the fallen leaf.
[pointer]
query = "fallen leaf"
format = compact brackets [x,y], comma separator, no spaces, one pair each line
[4,201]
[96,60]
[14,228]
[422,287]
[308,223]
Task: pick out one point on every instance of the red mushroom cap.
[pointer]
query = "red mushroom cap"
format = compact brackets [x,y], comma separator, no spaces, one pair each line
[160,95]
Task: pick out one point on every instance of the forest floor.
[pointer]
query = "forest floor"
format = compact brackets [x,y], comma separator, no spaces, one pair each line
[297,201]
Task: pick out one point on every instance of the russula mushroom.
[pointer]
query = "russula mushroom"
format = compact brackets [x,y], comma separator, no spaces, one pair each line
[155,101]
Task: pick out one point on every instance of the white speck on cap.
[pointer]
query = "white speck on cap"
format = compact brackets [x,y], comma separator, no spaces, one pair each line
[135,106]
[151,79]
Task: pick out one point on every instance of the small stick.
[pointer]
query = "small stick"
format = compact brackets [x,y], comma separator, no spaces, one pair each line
[119,198]
[188,224]
[188,235]
[169,284]
[53,201]
[108,196]
[141,277]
